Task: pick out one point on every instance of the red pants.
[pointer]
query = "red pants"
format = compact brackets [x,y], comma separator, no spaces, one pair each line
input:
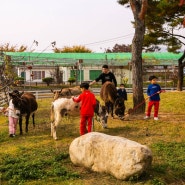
[85,120]
[156,108]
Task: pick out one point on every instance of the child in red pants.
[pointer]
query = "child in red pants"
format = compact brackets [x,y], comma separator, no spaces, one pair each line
[88,103]
[153,92]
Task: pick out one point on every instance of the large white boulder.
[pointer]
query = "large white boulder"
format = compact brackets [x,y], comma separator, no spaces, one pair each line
[115,155]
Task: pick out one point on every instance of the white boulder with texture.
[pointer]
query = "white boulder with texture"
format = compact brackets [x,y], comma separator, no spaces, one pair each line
[115,155]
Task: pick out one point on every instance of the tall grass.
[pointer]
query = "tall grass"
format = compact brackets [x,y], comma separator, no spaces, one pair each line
[36,159]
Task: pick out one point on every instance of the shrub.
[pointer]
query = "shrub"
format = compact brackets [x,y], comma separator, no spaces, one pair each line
[71,80]
[18,81]
[48,80]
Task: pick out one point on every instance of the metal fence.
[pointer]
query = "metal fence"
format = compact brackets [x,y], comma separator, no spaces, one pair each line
[41,94]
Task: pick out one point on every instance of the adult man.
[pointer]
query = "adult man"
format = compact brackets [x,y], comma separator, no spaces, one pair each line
[105,76]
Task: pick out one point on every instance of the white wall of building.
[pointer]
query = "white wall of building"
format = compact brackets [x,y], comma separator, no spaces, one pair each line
[119,73]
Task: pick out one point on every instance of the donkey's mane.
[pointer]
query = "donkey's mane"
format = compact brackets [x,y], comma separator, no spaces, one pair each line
[108,92]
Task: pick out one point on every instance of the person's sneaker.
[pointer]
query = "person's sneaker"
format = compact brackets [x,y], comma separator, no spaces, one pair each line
[156,118]
[12,135]
[146,117]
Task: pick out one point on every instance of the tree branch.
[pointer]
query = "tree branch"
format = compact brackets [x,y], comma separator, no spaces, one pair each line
[176,35]
[144,7]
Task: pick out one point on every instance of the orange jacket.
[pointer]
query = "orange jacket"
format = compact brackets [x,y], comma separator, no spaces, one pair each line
[88,103]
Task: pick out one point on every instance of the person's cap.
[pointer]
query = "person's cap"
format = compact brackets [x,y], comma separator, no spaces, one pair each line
[84,85]
[105,66]
[152,77]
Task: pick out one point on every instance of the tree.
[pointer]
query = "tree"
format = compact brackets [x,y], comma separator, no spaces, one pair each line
[57,74]
[139,8]
[73,49]
[181,66]
[48,80]
[12,48]
[119,48]
[71,80]
[163,21]
[162,18]
[7,71]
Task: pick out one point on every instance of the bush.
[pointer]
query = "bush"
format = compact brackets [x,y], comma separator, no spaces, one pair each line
[71,80]
[48,80]
[18,81]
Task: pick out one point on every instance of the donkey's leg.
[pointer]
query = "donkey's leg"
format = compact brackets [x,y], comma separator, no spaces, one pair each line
[55,124]
[112,110]
[107,106]
[20,124]
[53,130]
[27,122]
[54,127]
[33,119]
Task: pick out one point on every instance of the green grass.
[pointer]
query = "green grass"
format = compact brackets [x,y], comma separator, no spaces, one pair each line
[36,159]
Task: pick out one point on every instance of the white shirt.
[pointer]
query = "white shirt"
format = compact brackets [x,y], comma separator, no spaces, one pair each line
[11,110]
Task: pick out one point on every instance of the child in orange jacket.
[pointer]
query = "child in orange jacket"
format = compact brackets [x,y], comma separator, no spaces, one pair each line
[88,103]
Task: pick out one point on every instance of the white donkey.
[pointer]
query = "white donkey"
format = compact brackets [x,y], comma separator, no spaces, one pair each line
[64,106]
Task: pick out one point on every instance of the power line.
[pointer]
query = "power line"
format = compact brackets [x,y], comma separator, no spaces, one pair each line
[109,40]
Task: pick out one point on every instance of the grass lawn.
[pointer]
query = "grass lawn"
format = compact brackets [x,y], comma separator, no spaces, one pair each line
[36,159]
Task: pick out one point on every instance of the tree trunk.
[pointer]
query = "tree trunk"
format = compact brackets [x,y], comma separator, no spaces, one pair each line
[137,43]
[181,65]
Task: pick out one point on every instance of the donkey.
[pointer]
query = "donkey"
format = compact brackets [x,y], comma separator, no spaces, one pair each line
[26,104]
[113,102]
[66,92]
[64,106]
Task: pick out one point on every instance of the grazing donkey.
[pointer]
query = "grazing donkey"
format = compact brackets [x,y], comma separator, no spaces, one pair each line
[66,92]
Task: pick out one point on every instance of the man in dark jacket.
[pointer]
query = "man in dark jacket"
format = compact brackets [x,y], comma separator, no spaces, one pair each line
[105,76]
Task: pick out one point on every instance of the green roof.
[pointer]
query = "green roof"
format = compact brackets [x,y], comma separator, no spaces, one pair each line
[69,59]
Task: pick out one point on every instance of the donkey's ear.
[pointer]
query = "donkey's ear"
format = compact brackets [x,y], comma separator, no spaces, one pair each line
[21,93]
[52,90]
[12,95]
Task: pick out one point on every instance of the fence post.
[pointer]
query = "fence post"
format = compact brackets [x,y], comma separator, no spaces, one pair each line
[37,95]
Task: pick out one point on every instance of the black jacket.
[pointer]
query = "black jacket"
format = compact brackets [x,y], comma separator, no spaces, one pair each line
[107,77]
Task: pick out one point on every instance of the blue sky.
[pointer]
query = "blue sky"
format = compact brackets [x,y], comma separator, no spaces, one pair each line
[97,24]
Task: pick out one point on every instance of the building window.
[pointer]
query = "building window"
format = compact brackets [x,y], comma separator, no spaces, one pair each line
[38,75]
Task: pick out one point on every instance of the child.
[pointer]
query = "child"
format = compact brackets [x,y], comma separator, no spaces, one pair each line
[122,92]
[12,117]
[153,94]
[88,103]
